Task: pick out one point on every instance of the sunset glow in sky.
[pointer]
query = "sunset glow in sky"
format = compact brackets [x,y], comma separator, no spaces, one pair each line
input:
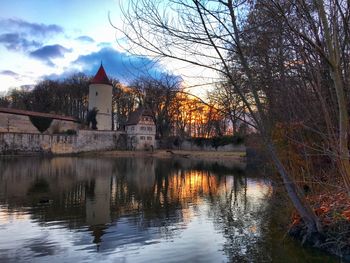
[54,39]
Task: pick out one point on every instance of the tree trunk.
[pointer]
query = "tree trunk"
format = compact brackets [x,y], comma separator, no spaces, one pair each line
[305,211]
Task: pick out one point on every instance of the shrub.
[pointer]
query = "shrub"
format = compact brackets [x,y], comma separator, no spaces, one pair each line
[218,141]
[70,132]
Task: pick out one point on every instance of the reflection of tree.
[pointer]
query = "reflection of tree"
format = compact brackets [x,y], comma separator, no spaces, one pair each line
[144,192]
[239,215]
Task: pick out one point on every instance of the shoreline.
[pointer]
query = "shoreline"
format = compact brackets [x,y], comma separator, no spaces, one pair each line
[167,154]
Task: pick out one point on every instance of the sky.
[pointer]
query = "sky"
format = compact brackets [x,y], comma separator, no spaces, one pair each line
[54,39]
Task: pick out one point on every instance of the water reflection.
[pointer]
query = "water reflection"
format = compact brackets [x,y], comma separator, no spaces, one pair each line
[131,210]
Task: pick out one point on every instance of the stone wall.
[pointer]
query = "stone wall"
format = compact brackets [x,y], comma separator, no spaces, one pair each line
[60,126]
[83,141]
[21,123]
[16,123]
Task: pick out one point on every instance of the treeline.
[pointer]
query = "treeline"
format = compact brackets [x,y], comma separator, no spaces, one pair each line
[67,97]
[175,113]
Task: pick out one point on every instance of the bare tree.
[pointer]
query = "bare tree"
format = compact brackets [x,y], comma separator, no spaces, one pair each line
[158,95]
[229,103]
[206,34]
[323,28]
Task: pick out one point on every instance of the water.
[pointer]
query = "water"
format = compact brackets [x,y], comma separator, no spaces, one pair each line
[138,210]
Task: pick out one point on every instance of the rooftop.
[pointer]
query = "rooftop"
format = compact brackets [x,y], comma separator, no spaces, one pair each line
[101,77]
[135,116]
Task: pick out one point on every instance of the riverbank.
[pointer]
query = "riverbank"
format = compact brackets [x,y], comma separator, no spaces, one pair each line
[195,155]
[333,211]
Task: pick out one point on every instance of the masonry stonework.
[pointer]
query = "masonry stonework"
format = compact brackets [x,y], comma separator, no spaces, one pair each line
[16,123]
[83,141]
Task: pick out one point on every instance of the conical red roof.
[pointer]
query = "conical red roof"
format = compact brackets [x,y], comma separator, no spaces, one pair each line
[101,77]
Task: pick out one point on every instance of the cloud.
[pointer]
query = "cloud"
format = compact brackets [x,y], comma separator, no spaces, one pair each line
[17,42]
[9,73]
[85,39]
[46,53]
[36,29]
[19,35]
[118,65]
[12,74]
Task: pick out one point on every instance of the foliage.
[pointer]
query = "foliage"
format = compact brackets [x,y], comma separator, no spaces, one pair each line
[4,102]
[91,118]
[304,154]
[218,141]
[67,97]
[333,209]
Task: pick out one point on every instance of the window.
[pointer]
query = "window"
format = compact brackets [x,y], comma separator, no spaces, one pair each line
[96,93]
[143,128]
[149,138]
[132,128]
[149,128]
[142,137]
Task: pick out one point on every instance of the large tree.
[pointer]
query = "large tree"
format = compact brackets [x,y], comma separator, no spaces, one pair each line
[211,34]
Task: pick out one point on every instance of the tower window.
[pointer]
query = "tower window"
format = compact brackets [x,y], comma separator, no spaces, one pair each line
[96,93]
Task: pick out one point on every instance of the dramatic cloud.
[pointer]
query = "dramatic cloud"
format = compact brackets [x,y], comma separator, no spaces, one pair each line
[118,65]
[85,39]
[9,73]
[46,53]
[17,42]
[20,35]
[31,28]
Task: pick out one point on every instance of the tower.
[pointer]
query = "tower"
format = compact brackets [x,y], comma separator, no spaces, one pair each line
[100,97]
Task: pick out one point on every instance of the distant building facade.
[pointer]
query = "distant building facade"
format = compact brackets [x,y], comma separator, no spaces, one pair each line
[141,130]
[100,98]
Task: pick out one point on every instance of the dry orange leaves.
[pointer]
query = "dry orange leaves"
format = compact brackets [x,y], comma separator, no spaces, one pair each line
[329,207]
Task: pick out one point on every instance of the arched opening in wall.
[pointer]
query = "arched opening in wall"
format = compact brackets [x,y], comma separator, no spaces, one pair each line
[41,123]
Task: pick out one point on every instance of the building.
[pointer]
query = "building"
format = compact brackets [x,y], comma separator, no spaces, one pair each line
[141,130]
[100,98]
[28,131]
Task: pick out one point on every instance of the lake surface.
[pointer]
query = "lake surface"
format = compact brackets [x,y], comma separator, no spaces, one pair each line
[139,210]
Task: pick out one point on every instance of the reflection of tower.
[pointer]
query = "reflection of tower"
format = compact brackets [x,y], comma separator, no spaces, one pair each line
[98,206]
[100,97]
[141,174]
